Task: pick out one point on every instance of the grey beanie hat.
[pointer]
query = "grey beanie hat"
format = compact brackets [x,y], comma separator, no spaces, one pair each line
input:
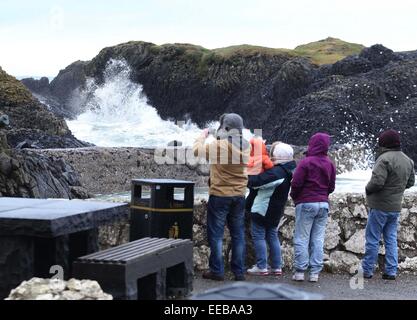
[229,121]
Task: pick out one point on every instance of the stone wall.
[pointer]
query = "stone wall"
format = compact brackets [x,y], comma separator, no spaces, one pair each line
[344,242]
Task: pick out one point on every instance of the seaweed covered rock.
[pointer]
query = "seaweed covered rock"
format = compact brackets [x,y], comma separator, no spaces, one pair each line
[30,119]
[355,109]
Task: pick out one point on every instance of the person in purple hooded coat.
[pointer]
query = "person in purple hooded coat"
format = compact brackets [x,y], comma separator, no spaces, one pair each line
[313,181]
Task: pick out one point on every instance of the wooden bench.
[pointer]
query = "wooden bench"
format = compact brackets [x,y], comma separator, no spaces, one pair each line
[145,269]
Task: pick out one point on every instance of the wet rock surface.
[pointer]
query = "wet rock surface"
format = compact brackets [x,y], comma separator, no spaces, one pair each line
[59,93]
[26,124]
[111,170]
[26,174]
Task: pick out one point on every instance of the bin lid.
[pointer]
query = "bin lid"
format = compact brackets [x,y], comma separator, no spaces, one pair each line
[256,291]
[162,181]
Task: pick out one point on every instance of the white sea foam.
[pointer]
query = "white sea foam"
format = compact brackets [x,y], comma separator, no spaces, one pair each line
[117,113]
[356,180]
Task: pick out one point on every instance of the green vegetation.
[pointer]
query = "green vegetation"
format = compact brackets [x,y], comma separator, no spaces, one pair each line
[325,51]
[321,52]
[328,51]
[12,91]
[249,50]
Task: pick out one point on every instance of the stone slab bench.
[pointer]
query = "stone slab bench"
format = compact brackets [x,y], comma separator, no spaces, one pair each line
[145,269]
[40,235]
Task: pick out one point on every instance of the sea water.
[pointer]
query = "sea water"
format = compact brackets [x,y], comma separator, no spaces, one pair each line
[117,113]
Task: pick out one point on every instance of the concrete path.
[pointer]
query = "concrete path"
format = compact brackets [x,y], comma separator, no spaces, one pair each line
[333,286]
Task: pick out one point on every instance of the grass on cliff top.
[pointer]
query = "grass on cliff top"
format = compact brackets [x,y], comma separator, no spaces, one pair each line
[328,51]
[249,50]
[12,91]
[321,52]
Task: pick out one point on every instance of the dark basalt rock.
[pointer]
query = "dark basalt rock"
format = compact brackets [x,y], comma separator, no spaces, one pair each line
[379,55]
[283,93]
[357,108]
[351,65]
[26,174]
[58,94]
[28,119]
[292,80]
[18,138]
[40,86]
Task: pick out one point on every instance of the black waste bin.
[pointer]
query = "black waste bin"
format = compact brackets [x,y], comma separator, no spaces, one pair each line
[161,208]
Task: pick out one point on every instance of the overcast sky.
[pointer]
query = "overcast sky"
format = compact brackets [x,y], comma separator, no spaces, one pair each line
[43,36]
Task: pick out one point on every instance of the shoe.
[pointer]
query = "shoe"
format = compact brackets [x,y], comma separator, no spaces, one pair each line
[298,276]
[314,277]
[239,277]
[258,271]
[211,276]
[367,276]
[276,272]
[388,277]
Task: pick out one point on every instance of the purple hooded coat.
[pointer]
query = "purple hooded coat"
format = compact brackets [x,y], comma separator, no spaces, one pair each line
[315,176]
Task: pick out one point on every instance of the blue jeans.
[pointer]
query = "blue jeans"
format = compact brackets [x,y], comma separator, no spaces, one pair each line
[381,223]
[310,227]
[260,236]
[230,210]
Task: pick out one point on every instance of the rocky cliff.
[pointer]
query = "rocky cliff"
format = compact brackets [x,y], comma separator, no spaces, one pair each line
[345,89]
[26,123]
[29,121]
[184,80]
[25,173]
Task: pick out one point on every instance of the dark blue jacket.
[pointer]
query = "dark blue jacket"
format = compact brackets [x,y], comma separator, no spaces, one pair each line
[271,188]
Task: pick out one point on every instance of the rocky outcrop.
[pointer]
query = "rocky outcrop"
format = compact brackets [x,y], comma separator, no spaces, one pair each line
[344,239]
[58,93]
[56,289]
[27,124]
[111,170]
[355,100]
[29,120]
[23,138]
[24,173]
[280,91]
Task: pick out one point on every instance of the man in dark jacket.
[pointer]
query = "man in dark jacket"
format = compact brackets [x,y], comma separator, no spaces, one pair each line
[392,174]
